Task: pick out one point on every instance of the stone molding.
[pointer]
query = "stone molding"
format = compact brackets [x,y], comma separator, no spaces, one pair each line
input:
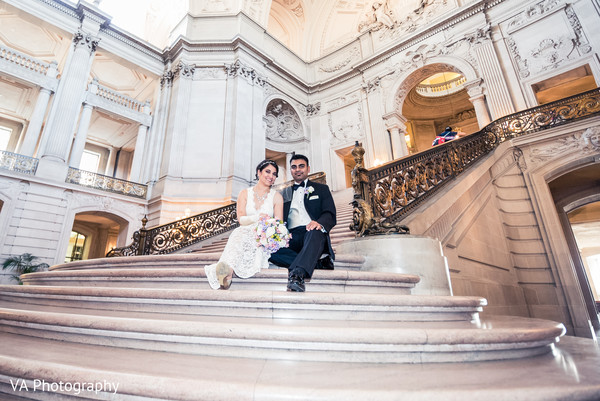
[533,13]
[586,142]
[341,61]
[129,211]
[238,69]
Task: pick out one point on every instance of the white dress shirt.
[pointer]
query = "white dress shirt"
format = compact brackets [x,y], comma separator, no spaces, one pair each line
[298,215]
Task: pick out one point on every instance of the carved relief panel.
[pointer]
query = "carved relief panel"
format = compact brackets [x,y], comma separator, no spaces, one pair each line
[345,120]
[282,123]
[544,37]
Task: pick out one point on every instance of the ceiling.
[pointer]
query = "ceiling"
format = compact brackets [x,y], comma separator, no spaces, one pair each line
[38,39]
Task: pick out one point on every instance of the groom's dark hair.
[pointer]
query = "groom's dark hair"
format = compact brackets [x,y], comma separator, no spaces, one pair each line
[297,156]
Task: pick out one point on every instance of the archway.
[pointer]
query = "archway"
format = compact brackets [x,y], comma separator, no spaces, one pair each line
[432,98]
[578,206]
[94,233]
[284,134]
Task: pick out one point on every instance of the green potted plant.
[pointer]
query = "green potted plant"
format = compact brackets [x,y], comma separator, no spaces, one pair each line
[23,264]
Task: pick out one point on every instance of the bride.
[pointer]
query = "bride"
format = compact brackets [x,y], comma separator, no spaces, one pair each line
[241,255]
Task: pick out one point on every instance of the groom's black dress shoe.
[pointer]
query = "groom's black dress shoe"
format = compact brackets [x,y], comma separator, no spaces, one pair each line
[325,264]
[295,283]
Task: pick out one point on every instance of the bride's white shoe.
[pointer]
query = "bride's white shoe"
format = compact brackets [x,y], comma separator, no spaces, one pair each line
[224,275]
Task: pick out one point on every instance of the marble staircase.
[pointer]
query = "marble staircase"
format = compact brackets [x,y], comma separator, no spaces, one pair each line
[153,325]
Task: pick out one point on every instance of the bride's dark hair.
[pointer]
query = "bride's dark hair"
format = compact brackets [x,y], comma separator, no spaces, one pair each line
[263,164]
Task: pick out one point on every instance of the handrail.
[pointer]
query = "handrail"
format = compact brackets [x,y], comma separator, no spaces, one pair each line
[178,234]
[384,194]
[106,183]
[16,162]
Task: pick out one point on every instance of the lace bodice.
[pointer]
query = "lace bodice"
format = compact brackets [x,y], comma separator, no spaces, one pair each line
[266,207]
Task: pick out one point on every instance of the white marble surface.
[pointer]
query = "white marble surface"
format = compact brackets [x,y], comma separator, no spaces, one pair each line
[571,373]
[405,254]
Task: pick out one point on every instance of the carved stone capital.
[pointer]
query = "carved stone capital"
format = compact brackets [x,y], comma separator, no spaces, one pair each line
[167,79]
[475,88]
[184,70]
[85,40]
[313,109]
[394,120]
[238,69]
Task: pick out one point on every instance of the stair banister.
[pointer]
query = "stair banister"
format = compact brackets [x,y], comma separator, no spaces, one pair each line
[386,193]
[170,237]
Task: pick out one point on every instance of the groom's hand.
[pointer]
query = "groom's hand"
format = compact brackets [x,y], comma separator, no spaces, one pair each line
[313,225]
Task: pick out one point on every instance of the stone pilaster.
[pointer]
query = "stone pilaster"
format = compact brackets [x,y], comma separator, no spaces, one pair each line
[498,96]
[382,150]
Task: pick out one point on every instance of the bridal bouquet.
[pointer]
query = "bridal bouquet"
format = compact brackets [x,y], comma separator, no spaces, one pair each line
[272,234]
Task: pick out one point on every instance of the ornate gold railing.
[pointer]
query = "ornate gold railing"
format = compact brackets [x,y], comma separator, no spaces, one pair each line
[384,194]
[106,183]
[181,233]
[16,162]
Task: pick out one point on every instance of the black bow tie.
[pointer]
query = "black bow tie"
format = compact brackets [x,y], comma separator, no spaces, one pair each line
[296,186]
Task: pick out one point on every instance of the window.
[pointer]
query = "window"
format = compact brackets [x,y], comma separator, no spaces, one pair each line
[76,247]
[90,161]
[5,134]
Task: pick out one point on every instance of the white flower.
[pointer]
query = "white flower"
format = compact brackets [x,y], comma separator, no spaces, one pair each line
[309,190]
[270,231]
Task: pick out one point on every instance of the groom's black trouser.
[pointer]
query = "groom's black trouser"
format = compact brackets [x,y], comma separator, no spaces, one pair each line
[303,253]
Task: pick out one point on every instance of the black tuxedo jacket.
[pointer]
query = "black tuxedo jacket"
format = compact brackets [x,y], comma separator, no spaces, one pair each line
[319,206]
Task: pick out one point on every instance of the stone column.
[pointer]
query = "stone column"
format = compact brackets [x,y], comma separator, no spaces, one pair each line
[110,163]
[66,105]
[79,143]
[138,154]
[475,91]
[396,124]
[35,124]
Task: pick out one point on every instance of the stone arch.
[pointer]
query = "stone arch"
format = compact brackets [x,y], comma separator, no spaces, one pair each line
[409,78]
[282,121]
[285,132]
[546,163]
[127,215]
[105,229]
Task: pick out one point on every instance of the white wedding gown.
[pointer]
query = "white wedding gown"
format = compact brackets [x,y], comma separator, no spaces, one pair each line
[241,252]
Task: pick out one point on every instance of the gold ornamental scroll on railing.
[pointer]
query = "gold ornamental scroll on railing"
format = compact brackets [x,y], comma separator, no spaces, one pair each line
[106,183]
[384,194]
[170,237]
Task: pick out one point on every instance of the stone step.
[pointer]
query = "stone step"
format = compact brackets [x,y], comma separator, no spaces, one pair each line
[199,304]
[151,375]
[291,339]
[155,272]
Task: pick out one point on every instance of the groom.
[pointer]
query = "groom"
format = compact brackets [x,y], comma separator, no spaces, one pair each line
[309,213]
